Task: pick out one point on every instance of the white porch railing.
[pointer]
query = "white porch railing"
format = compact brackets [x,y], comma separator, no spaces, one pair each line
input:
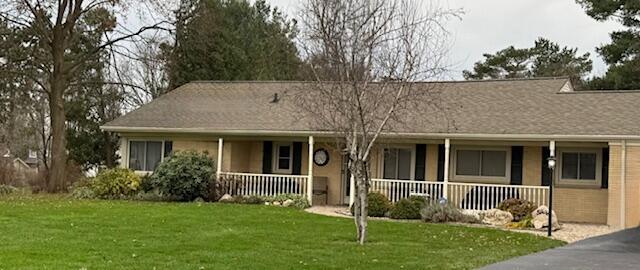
[472,196]
[477,196]
[396,190]
[250,184]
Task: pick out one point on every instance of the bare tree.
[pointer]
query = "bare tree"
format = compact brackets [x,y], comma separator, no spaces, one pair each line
[374,53]
[57,28]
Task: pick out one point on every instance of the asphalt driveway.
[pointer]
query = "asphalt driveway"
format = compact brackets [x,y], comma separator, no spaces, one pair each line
[619,250]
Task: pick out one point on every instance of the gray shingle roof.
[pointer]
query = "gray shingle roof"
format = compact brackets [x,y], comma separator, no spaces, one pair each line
[517,107]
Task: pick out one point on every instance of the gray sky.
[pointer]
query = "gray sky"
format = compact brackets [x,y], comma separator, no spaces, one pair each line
[491,25]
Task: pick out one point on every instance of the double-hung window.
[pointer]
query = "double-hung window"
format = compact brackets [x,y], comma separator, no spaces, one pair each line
[580,166]
[283,157]
[146,155]
[490,164]
[398,163]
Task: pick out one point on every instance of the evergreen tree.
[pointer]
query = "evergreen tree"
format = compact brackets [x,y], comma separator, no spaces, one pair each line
[231,40]
[623,53]
[544,59]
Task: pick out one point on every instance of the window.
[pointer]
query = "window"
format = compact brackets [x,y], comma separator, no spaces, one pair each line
[580,166]
[283,156]
[398,163]
[484,164]
[146,155]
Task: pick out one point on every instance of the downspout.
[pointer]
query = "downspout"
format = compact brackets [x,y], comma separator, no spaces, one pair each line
[623,177]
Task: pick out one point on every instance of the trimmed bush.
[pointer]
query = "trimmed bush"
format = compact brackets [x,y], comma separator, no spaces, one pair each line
[379,205]
[114,183]
[520,209]
[437,213]
[408,208]
[184,176]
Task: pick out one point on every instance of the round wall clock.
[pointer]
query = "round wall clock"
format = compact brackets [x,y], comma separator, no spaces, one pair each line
[321,157]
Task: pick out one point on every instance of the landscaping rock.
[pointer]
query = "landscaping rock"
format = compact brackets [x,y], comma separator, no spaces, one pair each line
[226,198]
[277,203]
[267,203]
[287,203]
[497,217]
[541,218]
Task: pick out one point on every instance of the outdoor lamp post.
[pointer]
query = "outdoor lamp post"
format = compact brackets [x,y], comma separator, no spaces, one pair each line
[551,162]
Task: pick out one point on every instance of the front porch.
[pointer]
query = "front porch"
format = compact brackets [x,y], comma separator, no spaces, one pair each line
[471,174]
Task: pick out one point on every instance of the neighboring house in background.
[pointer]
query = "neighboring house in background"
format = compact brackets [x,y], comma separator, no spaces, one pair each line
[20,170]
[491,143]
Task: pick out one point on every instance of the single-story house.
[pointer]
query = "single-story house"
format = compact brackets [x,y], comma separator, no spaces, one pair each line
[492,142]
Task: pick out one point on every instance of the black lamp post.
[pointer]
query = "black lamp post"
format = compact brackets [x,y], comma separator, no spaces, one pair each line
[552,165]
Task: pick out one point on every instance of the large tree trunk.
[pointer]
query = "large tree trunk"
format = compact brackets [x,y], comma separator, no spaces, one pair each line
[57,173]
[58,84]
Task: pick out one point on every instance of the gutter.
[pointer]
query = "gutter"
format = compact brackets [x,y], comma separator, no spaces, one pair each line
[300,133]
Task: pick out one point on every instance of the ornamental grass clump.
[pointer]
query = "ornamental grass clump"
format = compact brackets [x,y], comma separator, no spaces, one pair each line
[440,213]
[519,208]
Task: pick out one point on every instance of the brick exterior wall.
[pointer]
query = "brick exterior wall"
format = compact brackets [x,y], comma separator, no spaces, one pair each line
[632,186]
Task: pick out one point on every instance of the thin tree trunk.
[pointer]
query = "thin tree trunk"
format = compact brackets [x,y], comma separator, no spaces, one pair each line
[360,205]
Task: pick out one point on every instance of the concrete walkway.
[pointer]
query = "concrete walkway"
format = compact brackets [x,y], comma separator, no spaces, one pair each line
[620,250]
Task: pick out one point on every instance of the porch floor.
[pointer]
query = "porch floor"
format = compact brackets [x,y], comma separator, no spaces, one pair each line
[570,232]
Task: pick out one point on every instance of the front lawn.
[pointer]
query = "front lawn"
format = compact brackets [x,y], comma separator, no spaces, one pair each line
[55,233]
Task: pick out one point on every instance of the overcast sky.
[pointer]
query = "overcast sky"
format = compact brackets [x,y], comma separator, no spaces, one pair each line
[491,25]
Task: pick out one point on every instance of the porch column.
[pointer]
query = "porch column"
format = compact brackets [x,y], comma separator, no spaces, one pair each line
[310,173]
[352,190]
[219,165]
[447,150]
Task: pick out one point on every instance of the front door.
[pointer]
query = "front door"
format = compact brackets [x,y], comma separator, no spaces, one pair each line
[346,180]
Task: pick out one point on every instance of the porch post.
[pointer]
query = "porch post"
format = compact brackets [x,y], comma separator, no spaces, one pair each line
[352,190]
[219,165]
[552,156]
[447,150]
[310,173]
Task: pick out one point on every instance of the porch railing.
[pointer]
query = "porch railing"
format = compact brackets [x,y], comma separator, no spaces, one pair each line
[396,190]
[472,196]
[249,184]
[477,196]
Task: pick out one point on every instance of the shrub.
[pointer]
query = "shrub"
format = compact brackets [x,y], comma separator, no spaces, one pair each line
[408,208]
[82,192]
[437,213]
[151,195]
[184,176]
[299,201]
[6,190]
[379,204]
[526,222]
[114,183]
[519,208]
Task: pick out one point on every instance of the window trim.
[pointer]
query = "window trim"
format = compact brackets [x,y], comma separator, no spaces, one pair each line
[411,148]
[577,182]
[128,156]
[453,173]
[276,158]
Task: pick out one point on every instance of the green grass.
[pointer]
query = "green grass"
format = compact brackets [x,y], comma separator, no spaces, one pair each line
[56,233]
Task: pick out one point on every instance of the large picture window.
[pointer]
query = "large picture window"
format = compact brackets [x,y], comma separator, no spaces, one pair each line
[283,156]
[147,155]
[580,166]
[481,164]
[398,163]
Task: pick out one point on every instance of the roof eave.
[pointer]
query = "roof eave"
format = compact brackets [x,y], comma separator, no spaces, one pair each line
[403,135]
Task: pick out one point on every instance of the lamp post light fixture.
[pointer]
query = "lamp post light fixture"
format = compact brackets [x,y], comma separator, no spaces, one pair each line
[551,162]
